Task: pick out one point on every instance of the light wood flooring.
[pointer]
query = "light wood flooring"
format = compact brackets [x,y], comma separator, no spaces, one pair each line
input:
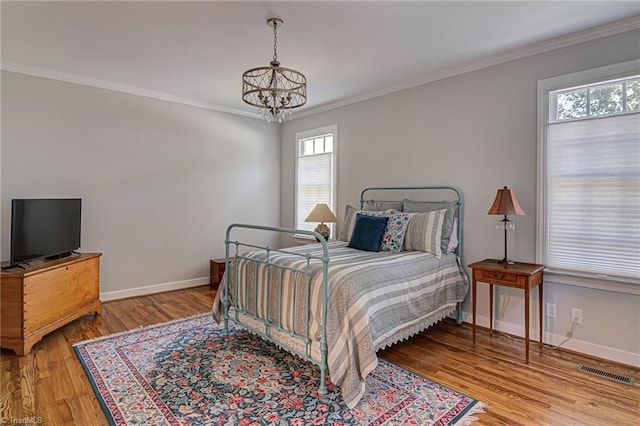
[50,382]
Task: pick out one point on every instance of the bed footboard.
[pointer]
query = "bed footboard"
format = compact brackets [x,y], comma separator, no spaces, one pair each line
[265,325]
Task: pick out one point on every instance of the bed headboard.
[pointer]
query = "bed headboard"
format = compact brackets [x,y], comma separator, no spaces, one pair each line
[423,193]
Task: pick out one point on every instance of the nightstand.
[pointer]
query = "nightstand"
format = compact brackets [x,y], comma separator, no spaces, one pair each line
[524,276]
[217,271]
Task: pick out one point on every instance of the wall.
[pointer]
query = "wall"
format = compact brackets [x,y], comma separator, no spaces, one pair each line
[477,131]
[160,181]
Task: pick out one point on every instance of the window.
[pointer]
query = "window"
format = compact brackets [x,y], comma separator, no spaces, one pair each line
[589,176]
[315,173]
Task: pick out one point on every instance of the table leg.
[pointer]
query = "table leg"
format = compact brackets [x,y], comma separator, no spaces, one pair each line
[473,306]
[540,344]
[490,309]
[526,322]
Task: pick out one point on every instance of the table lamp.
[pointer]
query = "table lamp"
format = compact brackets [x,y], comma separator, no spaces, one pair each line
[321,213]
[505,204]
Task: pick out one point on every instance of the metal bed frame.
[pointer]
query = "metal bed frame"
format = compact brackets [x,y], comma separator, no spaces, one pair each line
[276,326]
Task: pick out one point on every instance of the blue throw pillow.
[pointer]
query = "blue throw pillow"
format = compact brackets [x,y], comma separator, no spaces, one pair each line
[367,232]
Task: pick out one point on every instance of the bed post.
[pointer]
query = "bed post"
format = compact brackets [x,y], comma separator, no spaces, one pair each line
[459,249]
[322,390]
[225,285]
[459,313]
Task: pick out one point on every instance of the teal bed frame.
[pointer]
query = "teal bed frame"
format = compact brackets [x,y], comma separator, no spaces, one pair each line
[234,248]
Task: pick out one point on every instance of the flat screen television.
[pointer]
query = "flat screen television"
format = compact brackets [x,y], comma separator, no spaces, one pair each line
[44,227]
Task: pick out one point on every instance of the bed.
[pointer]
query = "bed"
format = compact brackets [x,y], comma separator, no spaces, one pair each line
[336,305]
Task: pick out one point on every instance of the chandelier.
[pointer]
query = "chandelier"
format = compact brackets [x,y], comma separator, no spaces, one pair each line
[274,89]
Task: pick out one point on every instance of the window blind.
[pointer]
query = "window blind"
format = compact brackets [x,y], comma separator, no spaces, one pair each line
[593,196]
[315,174]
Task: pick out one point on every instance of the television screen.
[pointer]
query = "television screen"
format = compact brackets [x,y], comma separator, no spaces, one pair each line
[44,227]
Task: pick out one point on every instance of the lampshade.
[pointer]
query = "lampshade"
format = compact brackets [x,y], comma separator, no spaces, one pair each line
[321,213]
[506,203]
[274,89]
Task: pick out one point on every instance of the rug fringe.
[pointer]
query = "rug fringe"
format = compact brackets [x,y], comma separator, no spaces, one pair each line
[469,417]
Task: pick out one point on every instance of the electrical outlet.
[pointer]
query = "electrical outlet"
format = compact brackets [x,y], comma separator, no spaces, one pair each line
[550,310]
[576,315]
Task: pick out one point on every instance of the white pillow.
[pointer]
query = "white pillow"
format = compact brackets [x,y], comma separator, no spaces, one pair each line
[453,241]
[348,223]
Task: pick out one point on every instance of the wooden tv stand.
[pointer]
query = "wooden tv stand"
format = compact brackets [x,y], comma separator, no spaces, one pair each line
[46,295]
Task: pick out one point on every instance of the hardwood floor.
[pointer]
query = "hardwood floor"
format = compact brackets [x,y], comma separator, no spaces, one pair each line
[50,383]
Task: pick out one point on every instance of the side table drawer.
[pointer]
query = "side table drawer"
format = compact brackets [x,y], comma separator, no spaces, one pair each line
[494,276]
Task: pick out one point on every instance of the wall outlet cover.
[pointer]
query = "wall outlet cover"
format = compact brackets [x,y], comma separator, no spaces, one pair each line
[576,315]
[550,310]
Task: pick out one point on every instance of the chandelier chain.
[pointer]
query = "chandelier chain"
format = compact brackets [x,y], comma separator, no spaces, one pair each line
[275,41]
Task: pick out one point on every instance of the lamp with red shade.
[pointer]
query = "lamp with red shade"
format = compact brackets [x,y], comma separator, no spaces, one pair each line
[506,204]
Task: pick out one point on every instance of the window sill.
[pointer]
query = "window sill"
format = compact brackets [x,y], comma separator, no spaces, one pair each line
[302,240]
[593,283]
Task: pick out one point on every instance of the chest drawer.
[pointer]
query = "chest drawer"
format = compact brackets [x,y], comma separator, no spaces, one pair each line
[498,276]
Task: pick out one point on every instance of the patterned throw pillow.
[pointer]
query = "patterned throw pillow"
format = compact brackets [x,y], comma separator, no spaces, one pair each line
[424,232]
[394,233]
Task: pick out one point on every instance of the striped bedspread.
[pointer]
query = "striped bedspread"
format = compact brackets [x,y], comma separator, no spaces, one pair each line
[375,299]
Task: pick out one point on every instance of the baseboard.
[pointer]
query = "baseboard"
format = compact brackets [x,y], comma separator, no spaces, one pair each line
[151,289]
[576,345]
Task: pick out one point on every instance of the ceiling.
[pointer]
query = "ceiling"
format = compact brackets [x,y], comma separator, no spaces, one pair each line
[196,52]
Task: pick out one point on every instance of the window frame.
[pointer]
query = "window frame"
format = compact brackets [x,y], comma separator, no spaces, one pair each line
[306,134]
[581,78]
[589,115]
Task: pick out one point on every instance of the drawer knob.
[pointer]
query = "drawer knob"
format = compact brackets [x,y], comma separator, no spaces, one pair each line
[500,277]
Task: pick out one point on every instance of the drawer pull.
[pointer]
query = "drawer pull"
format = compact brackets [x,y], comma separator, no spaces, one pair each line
[499,276]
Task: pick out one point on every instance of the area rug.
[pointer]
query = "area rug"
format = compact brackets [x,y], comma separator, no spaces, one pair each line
[188,372]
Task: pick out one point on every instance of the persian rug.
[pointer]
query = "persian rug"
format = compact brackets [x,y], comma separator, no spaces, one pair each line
[188,372]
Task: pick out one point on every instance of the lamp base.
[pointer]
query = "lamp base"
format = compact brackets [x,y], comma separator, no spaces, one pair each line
[323,230]
[506,225]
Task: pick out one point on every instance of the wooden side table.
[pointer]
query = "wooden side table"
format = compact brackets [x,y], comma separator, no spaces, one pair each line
[216,272]
[517,275]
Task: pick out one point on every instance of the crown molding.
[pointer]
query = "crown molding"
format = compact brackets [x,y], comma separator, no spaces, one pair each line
[595,33]
[601,31]
[110,85]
